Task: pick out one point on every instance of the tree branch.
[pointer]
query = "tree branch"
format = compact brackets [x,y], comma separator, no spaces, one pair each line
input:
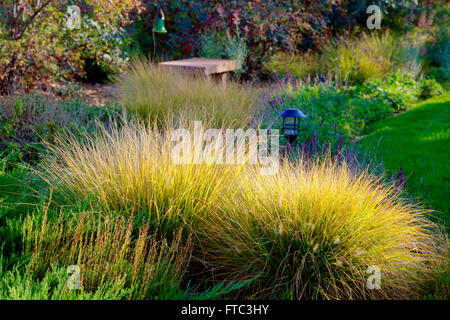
[30,20]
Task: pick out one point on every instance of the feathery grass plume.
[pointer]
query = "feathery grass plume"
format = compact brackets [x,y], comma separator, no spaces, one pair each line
[314,228]
[131,169]
[153,94]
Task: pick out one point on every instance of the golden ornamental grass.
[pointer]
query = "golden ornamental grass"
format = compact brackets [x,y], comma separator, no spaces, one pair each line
[370,56]
[154,95]
[314,230]
[131,169]
[310,231]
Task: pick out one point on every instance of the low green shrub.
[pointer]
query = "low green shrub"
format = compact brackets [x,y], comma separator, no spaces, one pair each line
[18,284]
[333,114]
[430,88]
[400,90]
[339,115]
[108,248]
[227,46]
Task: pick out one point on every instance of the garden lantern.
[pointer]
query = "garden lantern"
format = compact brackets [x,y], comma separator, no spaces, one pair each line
[291,123]
[158,26]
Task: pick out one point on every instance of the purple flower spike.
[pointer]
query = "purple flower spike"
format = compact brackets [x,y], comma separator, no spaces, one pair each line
[400,180]
[272,105]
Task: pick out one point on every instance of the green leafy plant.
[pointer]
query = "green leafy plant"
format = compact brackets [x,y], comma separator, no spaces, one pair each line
[334,115]
[226,46]
[399,90]
[430,88]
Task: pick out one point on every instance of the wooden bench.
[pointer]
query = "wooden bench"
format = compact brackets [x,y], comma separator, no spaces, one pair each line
[216,68]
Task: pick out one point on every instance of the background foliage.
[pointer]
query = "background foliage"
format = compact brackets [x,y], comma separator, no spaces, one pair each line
[36,43]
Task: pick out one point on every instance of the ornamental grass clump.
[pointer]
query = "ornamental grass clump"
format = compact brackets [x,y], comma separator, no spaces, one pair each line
[358,60]
[154,94]
[314,231]
[310,230]
[131,169]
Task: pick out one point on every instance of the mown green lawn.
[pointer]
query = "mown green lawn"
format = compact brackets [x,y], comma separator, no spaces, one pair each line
[418,141]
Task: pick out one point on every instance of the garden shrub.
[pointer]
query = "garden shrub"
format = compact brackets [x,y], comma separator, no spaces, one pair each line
[226,46]
[20,284]
[430,88]
[42,47]
[400,16]
[269,26]
[399,90]
[336,116]
[333,114]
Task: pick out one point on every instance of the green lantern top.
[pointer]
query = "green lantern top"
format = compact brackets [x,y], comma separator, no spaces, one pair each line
[159,23]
